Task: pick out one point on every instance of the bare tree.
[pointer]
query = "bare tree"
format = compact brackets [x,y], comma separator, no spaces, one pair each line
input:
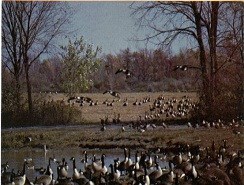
[200,23]
[233,47]
[12,49]
[36,24]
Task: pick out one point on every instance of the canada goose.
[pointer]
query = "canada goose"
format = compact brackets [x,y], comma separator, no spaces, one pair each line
[76,173]
[125,71]
[164,125]
[125,103]
[27,140]
[135,103]
[105,102]
[44,179]
[151,108]
[113,93]
[153,126]
[96,165]
[215,172]
[156,174]
[118,119]
[111,103]
[115,118]
[169,176]
[189,125]
[87,167]
[145,178]
[237,174]
[91,103]
[71,98]
[7,177]
[103,128]
[20,179]
[115,173]
[184,67]
[62,180]
[123,128]
[63,169]
[177,159]
[129,161]
[122,164]
[149,162]
[104,168]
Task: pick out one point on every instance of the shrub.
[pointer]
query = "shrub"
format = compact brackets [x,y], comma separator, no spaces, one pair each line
[45,113]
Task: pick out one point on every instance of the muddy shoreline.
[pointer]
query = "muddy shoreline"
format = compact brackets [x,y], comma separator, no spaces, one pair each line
[91,137]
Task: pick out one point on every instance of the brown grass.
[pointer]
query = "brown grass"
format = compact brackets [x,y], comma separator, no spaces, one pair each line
[113,137]
[92,114]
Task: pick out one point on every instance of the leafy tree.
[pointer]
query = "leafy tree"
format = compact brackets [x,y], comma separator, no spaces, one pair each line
[79,62]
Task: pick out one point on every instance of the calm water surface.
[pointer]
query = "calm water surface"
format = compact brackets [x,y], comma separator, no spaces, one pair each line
[40,159]
[15,158]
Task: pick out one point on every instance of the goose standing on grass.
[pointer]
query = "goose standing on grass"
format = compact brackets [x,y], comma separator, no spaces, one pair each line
[113,93]
[27,140]
[125,103]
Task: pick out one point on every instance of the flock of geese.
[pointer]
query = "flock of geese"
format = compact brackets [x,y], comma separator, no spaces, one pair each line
[159,109]
[174,164]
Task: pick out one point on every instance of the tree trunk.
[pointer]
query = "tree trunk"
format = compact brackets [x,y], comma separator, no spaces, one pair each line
[212,31]
[28,85]
[205,99]
[241,107]
[17,93]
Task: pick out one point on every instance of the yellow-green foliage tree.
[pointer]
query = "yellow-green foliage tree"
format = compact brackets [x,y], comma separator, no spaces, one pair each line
[79,62]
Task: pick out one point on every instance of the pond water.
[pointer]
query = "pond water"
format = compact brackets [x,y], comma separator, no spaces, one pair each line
[40,159]
[15,158]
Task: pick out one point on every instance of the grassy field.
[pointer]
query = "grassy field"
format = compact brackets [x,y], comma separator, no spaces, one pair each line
[113,137]
[92,114]
[90,136]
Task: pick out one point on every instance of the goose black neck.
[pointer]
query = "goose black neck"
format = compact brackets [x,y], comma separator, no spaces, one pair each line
[23,172]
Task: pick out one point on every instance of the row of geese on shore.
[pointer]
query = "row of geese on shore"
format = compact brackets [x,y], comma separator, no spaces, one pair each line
[170,108]
[147,124]
[183,164]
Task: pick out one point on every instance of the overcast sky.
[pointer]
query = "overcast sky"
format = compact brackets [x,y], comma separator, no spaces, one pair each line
[108,25]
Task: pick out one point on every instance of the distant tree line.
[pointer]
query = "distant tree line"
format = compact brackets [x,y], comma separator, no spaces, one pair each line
[152,70]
